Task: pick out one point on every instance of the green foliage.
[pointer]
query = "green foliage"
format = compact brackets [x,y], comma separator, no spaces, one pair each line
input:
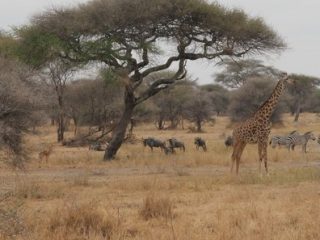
[110,78]
[7,45]
[89,32]
[36,47]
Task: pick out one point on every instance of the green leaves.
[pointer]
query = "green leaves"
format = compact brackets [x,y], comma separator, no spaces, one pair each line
[36,47]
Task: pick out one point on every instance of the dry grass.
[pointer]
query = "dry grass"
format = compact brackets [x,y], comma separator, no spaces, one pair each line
[155,207]
[85,221]
[145,195]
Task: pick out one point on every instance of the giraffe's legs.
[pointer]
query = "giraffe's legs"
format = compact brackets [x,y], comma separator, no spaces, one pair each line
[236,155]
[236,145]
[239,153]
[262,149]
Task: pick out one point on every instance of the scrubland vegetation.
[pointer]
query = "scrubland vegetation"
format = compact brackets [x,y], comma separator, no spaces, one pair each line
[52,186]
[150,195]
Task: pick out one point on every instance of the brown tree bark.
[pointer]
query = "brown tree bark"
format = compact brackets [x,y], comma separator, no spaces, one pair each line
[298,110]
[120,130]
[61,122]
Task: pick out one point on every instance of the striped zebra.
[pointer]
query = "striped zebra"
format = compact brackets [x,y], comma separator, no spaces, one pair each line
[279,140]
[302,140]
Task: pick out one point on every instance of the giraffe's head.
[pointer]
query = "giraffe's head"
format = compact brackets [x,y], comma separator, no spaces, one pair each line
[285,78]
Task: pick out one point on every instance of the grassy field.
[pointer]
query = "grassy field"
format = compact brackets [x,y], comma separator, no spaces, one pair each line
[145,195]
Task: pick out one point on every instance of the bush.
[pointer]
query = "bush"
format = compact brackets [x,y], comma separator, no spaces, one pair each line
[18,101]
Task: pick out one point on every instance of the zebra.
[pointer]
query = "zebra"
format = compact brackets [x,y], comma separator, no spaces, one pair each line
[152,142]
[279,140]
[302,140]
[174,143]
[199,142]
[228,142]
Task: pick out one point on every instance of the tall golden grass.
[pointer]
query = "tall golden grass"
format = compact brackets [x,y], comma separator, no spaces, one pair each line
[150,195]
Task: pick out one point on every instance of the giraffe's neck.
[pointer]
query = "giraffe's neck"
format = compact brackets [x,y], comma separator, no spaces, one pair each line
[267,108]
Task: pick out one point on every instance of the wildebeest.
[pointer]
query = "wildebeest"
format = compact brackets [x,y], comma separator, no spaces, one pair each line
[174,143]
[229,141]
[152,142]
[199,142]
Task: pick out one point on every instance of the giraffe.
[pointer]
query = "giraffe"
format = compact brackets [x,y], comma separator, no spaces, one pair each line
[257,128]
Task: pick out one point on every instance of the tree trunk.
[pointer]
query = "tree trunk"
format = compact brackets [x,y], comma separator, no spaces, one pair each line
[52,121]
[182,123]
[120,130]
[298,110]
[61,122]
[61,128]
[160,123]
[198,123]
[75,121]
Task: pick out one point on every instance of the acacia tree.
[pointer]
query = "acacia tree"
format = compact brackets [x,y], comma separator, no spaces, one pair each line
[171,103]
[58,74]
[219,97]
[236,73]
[198,109]
[129,36]
[301,89]
[93,102]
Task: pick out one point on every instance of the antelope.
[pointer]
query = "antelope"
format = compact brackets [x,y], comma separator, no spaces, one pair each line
[45,154]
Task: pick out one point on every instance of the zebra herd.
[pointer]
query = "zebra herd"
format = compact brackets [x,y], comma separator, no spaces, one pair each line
[173,143]
[293,139]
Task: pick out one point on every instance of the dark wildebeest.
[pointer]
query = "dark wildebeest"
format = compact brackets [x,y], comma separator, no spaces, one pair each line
[199,142]
[152,142]
[174,143]
[229,141]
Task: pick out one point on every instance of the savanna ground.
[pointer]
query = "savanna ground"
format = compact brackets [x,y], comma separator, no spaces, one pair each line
[144,195]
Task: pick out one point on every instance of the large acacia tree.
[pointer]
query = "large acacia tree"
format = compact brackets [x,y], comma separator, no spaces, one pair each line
[129,36]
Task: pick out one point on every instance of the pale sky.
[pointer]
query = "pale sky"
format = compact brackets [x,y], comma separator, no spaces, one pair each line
[296,21]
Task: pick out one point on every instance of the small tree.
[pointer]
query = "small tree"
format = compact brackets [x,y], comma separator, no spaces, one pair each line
[246,100]
[219,97]
[199,109]
[171,103]
[312,104]
[301,89]
[93,102]
[236,73]
[129,36]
